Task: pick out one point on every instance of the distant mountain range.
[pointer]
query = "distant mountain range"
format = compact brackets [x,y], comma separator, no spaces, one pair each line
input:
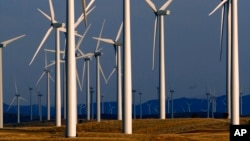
[183,107]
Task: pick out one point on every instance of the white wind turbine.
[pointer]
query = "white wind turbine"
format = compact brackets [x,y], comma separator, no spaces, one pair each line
[98,53]
[188,107]
[159,15]
[31,111]
[57,26]
[82,107]
[16,97]
[117,46]
[208,103]
[47,72]
[140,93]
[149,108]
[111,109]
[172,102]
[226,5]
[40,105]
[3,45]
[87,57]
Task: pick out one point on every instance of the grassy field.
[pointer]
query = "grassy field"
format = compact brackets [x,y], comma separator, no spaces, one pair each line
[181,129]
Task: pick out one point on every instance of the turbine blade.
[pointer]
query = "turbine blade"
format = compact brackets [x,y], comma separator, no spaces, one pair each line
[103,75]
[51,64]
[222,29]
[90,4]
[11,103]
[81,39]
[15,85]
[40,78]
[50,77]
[45,60]
[151,5]
[84,12]
[114,69]
[5,43]
[42,42]
[217,7]
[52,13]
[119,32]
[109,41]
[43,13]
[78,21]
[53,51]
[100,34]
[83,72]
[22,98]
[166,5]
[78,80]
[154,43]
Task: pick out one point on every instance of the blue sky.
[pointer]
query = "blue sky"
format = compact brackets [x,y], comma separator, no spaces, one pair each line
[191,46]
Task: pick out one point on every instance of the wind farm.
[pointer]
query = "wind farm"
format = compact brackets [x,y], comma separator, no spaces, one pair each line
[118,86]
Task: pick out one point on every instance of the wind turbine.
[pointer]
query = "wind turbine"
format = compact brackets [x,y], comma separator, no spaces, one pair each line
[189,107]
[40,105]
[213,101]
[92,102]
[47,72]
[82,106]
[16,97]
[117,46]
[140,105]
[98,69]
[87,57]
[102,103]
[57,26]
[208,103]
[31,113]
[159,15]
[149,108]
[3,45]
[226,5]
[111,109]
[134,108]
[172,102]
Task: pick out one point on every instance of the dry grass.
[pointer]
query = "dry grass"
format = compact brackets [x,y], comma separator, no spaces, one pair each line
[182,129]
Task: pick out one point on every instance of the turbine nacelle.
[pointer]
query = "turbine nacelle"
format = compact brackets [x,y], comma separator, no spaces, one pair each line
[117,43]
[98,54]
[58,25]
[18,95]
[162,12]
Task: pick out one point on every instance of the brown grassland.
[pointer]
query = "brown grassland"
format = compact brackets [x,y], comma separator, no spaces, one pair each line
[179,129]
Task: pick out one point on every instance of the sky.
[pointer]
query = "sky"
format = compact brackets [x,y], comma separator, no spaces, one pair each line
[192,47]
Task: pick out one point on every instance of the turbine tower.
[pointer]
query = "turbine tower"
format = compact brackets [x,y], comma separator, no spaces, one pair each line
[226,6]
[127,77]
[3,45]
[117,46]
[159,15]
[70,72]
